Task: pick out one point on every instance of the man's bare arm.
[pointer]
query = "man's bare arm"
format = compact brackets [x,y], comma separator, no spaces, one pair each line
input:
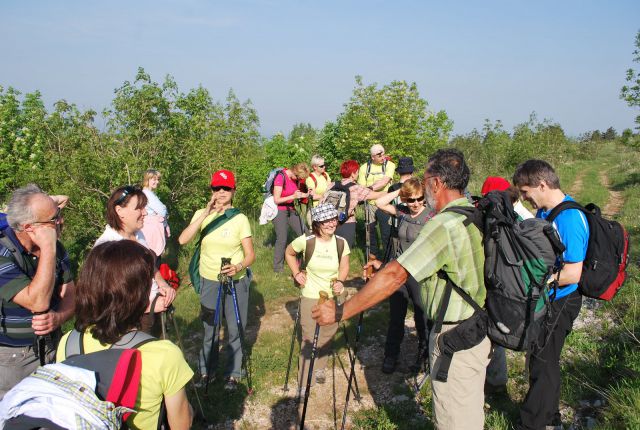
[381,286]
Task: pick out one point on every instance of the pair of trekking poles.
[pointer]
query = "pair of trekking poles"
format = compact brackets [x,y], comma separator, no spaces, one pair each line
[227,286]
[352,357]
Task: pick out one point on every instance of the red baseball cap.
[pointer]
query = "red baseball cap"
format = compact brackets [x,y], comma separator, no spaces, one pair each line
[493,183]
[223,178]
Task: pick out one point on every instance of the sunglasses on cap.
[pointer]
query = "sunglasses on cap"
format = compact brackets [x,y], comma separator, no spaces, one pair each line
[417,199]
[55,220]
[129,189]
[218,188]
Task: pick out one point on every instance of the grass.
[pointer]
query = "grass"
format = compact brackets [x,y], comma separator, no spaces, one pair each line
[601,361]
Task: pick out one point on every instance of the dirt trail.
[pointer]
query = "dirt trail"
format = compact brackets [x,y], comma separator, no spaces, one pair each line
[576,187]
[615,201]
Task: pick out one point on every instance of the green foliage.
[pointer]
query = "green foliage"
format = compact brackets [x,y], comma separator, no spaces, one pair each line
[630,92]
[394,116]
[496,152]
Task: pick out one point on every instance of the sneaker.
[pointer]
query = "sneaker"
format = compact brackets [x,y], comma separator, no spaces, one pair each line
[321,378]
[202,381]
[389,365]
[231,384]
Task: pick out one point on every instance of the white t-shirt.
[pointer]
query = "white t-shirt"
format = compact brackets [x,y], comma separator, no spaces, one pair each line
[110,235]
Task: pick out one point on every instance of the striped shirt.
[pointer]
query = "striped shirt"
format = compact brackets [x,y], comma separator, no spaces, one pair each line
[445,243]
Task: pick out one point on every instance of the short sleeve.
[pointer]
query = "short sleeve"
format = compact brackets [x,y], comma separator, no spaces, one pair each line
[574,233]
[196,215]
[245,227]
[12,279]
[390,169]
[279,179]
[362,173]
[299,243]
[346,250]
[175,372]
[309,182]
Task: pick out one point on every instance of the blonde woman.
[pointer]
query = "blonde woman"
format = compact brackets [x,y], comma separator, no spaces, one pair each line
[155,228]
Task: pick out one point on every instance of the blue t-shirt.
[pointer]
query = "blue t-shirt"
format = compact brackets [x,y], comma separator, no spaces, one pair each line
[573,229]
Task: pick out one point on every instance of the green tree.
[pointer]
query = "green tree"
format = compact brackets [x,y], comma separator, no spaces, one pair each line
[394,116]
[630,92]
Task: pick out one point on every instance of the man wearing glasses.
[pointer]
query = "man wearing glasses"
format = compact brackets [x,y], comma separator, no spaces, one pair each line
[376,175]
[36,284]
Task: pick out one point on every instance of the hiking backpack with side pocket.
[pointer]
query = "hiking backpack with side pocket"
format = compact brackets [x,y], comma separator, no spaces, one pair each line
[604,267]
[267,187]
[520,259]
[340,197]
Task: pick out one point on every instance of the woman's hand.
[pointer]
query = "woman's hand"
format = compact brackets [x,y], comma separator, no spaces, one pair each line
[231,269]
[299,195]
[338,287]
[211,205]
[301,278]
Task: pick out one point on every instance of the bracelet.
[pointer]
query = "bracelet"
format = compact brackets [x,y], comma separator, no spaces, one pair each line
[241,266]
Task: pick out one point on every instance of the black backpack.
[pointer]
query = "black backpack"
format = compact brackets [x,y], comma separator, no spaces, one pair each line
[604,267]
[520,258]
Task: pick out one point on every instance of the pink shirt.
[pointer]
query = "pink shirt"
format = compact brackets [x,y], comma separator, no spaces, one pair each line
[288,188]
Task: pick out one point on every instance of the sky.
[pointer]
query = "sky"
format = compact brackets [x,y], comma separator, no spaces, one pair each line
[297,60]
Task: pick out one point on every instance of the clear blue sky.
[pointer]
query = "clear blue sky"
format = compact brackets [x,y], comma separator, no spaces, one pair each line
[296,60]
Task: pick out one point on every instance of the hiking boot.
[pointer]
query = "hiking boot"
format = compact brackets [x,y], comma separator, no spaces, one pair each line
[492,390]
[321,377]
[231,384]
[389,365]
[421,358]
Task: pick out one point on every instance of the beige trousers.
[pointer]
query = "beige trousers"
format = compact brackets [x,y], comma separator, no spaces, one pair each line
[308,325]
[458,404]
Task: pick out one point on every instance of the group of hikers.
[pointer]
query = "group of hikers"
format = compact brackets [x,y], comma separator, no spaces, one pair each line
[426,243]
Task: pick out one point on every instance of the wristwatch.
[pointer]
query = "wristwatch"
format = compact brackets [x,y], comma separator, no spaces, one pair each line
[339,309]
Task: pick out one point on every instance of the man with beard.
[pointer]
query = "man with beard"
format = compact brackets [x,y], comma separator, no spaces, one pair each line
[448,249]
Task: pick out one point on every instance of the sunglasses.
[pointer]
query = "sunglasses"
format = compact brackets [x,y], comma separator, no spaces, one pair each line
[379,154]
[417,199]
[215,189]
[321,166]
[129,189]
[55,220]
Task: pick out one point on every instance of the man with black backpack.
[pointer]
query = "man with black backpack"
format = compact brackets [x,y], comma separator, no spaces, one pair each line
[448,250]
[36,284]
[539,185]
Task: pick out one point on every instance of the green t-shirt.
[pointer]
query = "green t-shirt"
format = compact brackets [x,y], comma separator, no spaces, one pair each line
[445,243]
[323,266]
[224,241]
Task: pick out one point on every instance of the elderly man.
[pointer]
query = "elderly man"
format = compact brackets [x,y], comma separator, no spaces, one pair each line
[448,250]
[376,175]
[36,284]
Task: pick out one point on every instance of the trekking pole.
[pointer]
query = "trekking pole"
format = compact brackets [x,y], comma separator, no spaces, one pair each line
[298,206]
[245,358]
[356,389]
[314,349]
[171,311]
[215,342]
[355,352]
[293,340]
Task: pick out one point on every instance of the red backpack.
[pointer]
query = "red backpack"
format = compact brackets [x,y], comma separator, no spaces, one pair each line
[604,269]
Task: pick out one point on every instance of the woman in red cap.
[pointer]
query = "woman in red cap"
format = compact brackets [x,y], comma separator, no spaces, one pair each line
[231,238]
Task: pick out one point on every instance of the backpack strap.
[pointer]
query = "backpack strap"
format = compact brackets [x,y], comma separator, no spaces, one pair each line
[310,246]
[340,245]
[472,216]
[131,340]
[312,176]
[18,258]
[450,286]
[567,204]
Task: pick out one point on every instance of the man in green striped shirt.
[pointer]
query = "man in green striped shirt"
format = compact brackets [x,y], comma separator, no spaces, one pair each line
[445,244]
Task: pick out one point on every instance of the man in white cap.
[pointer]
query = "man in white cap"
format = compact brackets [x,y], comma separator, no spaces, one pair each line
[377,174]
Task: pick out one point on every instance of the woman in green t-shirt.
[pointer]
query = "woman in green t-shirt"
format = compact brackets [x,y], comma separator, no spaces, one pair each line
[230,239]
[326,270]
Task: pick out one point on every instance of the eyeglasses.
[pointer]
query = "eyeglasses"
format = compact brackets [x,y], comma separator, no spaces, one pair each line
[216,189]
[55,220]
[129,189]
[417,199]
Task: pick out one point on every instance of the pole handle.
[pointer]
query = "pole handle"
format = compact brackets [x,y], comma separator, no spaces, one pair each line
[323,297]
